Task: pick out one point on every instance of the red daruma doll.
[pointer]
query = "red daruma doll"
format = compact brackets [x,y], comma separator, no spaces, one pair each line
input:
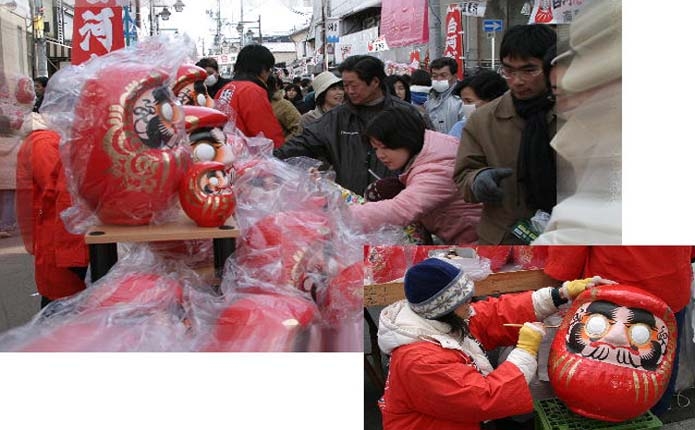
[126,156]
[612,356]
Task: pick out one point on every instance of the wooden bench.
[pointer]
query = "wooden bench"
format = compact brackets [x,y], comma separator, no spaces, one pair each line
[103,240]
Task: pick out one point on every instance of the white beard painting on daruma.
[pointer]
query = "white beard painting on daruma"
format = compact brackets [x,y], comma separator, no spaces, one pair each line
[613,354]
[620,335]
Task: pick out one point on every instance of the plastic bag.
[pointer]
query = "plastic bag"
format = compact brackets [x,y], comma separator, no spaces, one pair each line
[140,305]
[124,145]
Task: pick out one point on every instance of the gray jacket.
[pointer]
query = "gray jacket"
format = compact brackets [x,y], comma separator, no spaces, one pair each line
[444,109]
[336,139]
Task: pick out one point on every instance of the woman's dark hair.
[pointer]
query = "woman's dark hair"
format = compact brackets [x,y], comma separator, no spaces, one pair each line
[321,98]
[398,126]
[298,96]
[391,85]
[527,41]
[486,84]
[366,67]
[271,86]
[252,60]
[459,327]
[43,80]
[421,77]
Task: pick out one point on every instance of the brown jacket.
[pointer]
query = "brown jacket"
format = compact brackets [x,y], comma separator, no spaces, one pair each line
[491,138]
[287,114]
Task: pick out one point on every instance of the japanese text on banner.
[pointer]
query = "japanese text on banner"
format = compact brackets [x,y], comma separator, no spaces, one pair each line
[474,8]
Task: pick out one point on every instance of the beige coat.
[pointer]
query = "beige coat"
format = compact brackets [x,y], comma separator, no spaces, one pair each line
[287,114]
[491,138]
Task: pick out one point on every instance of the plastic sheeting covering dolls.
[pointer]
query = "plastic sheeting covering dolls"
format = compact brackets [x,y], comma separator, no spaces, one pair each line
[123,133]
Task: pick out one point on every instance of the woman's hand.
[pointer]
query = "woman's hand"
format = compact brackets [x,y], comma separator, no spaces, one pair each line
[571,289]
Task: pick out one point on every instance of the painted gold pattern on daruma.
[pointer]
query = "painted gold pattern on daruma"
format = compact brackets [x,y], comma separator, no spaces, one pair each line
[656,384]
[571,372]
[192,122]
[645,381]
[635,380]
[565,367]
[132,163]
[559,362]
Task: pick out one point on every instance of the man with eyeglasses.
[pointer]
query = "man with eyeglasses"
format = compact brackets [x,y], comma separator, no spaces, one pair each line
[505,160]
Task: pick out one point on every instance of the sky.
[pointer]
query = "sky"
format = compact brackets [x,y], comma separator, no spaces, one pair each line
[276,17]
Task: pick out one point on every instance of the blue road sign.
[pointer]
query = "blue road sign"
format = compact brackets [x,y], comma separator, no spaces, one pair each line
[492,25]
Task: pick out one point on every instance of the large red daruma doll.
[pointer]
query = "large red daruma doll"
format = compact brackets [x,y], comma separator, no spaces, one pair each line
[125,154]
[613,354]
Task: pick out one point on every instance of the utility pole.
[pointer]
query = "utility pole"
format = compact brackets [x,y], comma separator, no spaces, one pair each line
[324,6]
[36,10]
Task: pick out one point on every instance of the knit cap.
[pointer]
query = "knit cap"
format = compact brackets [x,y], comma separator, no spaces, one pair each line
[435,288]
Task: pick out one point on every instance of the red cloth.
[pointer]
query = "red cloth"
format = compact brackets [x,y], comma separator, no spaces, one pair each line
[247,104]
[430,387]
[54,249]
[664,271]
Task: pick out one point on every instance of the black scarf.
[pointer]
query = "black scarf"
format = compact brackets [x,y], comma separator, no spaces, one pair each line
[536,162]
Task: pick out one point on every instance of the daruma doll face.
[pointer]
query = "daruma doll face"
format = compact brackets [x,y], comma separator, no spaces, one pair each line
[613,354]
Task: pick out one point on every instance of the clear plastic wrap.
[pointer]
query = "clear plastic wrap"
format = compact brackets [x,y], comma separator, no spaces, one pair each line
[123,134]
[16,101]
[140,305]
[296,243]
[266,323]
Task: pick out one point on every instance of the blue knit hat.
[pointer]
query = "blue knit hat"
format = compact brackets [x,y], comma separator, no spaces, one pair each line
[435,288]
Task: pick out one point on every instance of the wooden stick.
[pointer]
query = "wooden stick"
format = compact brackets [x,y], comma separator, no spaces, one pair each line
[521,325]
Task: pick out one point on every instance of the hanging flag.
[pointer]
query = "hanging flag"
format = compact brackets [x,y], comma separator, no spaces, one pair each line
[97,28]
[474,8]
[453,46]
[404,22]
[555,11]
[332,30]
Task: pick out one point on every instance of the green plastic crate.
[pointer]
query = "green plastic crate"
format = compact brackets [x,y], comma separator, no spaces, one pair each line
[552,414]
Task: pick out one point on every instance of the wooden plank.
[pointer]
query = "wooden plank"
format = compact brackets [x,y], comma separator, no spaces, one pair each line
[182,229]
[496,283]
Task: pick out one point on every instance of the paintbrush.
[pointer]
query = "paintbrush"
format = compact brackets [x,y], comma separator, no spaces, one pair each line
[521,325]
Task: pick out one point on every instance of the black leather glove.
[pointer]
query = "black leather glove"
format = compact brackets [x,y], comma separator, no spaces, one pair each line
[486,185]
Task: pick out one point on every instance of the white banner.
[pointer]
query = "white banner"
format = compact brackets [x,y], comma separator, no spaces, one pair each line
[474,8]
[378,44]
[555,11]
[332,30]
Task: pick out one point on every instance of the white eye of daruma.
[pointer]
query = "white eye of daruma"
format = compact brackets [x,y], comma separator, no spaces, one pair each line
[167,111]
[596,326]
[203,152]
[640,334]
[201,100]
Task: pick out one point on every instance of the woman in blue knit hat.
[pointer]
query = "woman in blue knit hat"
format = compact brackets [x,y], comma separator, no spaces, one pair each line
[440,377]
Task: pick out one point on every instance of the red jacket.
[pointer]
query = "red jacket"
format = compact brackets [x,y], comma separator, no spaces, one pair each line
[54,249]
[664,271]
[248,106]
[431,387]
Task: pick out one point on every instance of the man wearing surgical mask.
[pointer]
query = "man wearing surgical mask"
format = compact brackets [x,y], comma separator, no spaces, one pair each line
[475,91]
[443,106]
[214,82]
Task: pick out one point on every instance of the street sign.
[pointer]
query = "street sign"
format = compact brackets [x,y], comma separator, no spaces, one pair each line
[492,25]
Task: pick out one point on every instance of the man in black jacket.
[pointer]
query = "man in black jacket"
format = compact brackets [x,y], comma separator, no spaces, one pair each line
[336,138]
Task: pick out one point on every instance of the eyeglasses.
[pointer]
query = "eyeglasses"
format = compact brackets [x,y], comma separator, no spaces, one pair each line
[508,72]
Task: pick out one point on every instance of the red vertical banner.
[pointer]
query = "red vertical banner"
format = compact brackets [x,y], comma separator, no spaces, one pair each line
[453,46]
[97,29]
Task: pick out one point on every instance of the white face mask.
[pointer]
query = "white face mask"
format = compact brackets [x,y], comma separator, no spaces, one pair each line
[211,80]
[440,86]
[467,109]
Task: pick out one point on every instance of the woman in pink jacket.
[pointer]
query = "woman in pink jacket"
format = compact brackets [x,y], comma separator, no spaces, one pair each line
[425,160]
